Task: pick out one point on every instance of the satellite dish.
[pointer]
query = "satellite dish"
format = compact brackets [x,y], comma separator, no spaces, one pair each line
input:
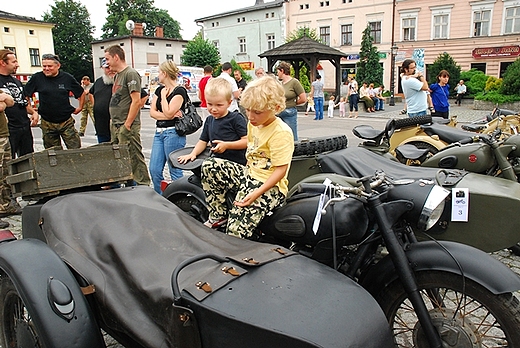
[144,26]
[130,25]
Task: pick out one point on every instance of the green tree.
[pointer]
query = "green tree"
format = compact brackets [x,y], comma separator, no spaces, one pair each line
[200,52]
[368,67]
[511,82]
[139,11]
[72,36]
[301,32]
[444,62]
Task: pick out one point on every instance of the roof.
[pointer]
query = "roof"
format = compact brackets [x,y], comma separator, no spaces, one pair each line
[142,37]
[18,18]
[258,6]
[300,47]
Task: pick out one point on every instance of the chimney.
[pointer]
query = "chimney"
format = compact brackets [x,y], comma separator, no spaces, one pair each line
[159,32]
[138,30]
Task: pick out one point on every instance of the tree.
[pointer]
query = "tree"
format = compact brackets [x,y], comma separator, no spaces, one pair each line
[444,62]
[511,82]
[72,36]
[369,69]
[200,52]
[139,11]
[301,32]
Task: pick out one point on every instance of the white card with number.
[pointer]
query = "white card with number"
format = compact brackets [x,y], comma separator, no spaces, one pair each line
[459,204]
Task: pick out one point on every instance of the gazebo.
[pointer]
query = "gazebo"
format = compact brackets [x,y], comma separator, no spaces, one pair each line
[305,51]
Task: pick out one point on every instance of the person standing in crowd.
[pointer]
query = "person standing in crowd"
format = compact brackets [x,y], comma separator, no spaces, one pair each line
[125,111]
[414,86]
[294,95]
[226,73]
[460,88]
[318,96]
[53,87]
[310,105]
[87,106]
[101,92]
[259,72]
[167,103]
[20,134]
[208,72]
[241,83]
[7,206]
[353,96]
[331,106]
[439,93]
[364,96]
[341,105]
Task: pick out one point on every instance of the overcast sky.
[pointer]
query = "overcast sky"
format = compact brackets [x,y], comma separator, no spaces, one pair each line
[185,12]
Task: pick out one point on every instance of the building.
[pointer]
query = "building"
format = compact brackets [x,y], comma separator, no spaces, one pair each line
[142,52]
[243,34]
[28,38]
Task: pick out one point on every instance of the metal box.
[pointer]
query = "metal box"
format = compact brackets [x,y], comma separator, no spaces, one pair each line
[54,170]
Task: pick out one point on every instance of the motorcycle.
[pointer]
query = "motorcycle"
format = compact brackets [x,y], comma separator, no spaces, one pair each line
[507,121]
[364,228]
[128,261]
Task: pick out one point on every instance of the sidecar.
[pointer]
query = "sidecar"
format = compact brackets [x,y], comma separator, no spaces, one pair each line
[129,261]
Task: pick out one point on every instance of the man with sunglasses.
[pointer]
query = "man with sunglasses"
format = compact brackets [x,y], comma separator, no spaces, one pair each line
[53,87]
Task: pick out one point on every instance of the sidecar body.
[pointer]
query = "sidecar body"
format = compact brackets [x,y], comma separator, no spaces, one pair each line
[125,244]
[493,202]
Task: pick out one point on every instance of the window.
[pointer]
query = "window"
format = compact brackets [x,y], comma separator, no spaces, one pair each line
[409,29]
[152,58]
[481,22]
[169,57]
[101,61]
[272,14]
[102,47]
[168,45]
[347,1]
[34,54]
[440,26]
[324,3]
[270,41]
[7,30]
[346,35]
[242,45]
[267,14]
[12,49]
[325,35]
[151,43]
[479,66]
[503,67]
[216,43]
[238,20]
[375,31]
[512,20]
[31,32]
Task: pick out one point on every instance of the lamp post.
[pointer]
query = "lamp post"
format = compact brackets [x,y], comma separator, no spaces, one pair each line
[392,74]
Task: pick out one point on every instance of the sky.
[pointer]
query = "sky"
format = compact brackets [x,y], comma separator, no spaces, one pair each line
[185,12]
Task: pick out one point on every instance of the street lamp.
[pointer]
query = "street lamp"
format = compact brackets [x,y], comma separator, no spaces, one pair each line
[392,74]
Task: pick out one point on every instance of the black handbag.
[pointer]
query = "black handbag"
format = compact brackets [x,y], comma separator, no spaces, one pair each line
[190,121]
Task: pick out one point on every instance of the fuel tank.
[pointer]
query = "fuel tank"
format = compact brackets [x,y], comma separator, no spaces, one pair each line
[475,157]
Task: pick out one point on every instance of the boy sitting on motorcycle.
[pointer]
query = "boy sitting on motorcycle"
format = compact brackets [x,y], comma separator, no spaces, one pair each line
[261,185]
[225,131]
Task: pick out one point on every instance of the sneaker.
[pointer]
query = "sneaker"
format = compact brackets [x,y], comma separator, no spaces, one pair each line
[4,224]
[215,224]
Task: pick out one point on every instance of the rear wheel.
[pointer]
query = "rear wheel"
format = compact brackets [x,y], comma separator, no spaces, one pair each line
[17,327]
[465,313]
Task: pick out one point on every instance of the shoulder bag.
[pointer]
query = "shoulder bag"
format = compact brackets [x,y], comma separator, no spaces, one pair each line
[190,121]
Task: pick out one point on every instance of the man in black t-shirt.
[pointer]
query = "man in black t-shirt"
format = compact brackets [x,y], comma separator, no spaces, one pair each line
[20,134]
[53,87]
[102,93]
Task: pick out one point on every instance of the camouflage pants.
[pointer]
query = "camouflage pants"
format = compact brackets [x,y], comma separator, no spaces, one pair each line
[132,137]
[5,189]
[220,176]
[85,113]
[53,133]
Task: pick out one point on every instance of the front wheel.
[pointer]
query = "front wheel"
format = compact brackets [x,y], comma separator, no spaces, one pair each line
[465,313]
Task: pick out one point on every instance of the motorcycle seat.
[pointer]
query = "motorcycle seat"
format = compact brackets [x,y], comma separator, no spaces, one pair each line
[411,151]
[474,127]
[446,133]
[368,132]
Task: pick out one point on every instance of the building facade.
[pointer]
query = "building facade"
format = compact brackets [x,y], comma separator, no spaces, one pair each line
[28,38]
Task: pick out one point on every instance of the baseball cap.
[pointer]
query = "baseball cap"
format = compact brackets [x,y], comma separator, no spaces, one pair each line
[104,63]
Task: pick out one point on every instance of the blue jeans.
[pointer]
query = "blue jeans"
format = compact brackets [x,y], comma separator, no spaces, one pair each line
[290,116]
[103,139]
[318,106]
[163,143]
[416,114]
[379,104]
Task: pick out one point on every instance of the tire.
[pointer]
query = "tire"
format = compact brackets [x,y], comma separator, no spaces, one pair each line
[432,150]
[192,206]
[469,319]
[17,327]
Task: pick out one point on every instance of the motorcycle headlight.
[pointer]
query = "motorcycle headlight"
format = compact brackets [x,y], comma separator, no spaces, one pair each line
[433,207]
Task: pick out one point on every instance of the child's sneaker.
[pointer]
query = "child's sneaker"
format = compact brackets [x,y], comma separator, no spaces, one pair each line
[215,224]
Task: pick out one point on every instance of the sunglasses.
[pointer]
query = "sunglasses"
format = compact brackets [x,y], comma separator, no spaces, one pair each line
[51,57]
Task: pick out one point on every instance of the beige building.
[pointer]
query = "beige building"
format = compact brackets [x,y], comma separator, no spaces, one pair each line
[28,38]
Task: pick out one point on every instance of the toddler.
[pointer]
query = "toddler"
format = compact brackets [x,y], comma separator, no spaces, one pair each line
[330,109]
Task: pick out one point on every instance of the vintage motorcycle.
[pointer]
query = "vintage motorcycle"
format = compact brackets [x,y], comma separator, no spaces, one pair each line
[130,262]
[364,228]
[507,121]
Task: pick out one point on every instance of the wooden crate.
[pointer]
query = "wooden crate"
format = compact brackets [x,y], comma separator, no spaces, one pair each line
[54,170]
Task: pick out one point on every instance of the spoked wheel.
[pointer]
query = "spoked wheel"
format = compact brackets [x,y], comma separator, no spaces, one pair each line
[192,206]
[466,315]
[17,328]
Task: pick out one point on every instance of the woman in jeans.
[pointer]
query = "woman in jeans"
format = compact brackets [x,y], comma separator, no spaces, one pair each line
[319,96]
[166,104]
[294,95]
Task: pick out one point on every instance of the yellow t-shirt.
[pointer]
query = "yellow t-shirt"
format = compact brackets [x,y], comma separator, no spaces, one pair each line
[269,147]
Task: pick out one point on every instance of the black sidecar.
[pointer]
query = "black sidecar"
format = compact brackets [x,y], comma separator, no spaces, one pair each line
[120,248]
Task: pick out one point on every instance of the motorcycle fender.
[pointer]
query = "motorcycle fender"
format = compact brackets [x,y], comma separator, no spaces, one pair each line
[187,185]
[30,264]
[446,256]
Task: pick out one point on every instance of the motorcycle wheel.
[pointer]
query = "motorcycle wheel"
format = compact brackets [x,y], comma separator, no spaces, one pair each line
[467,315]
[17,327]
[192,206]
[432,150]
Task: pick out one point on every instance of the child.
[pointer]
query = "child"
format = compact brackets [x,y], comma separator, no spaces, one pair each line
[262,184]
[226,131]
[310,104]
[330,109]
[341,106]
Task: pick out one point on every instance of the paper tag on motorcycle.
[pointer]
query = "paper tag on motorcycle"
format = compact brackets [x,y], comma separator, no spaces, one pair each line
[459,204]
